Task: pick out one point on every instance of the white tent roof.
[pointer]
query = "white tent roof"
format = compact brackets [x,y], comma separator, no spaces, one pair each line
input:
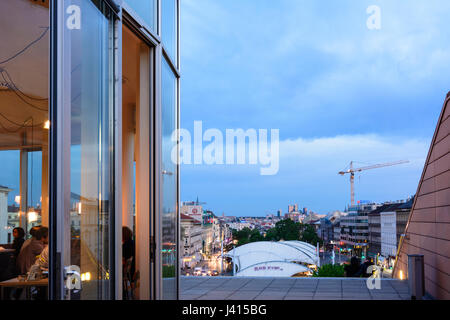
[272,269]
[250,256]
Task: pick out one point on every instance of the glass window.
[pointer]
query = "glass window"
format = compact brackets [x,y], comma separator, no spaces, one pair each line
[24,127]
[88,89]
[169,27]
[169,188]
[146,9]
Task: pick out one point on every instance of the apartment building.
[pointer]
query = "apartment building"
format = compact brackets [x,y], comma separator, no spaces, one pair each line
[354,232]
[191,240]
[383,230]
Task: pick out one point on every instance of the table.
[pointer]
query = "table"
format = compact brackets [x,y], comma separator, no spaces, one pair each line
[15,283]
[7,250]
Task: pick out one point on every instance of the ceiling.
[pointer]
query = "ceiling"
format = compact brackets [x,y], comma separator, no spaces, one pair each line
[130,68]
[24,69]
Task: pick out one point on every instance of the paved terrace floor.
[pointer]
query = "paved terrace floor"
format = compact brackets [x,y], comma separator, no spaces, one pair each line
[229,288]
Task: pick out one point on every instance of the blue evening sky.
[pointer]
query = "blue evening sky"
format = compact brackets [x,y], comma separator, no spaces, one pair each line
[336,90]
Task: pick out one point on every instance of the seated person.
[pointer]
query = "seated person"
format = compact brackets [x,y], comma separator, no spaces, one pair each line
[42,259]
[19,235]
[128,248]
[33,231]
[28,254]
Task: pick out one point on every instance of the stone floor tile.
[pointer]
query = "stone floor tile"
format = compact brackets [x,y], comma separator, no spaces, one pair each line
[298,298]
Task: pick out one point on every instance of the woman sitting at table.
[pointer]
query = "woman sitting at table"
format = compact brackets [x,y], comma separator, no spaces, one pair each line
[19,239]
[28,254]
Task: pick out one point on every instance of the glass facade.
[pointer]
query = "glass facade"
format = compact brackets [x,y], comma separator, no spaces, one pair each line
[88,74]
[146,9]
[62,138]
[169,182]
[169,27]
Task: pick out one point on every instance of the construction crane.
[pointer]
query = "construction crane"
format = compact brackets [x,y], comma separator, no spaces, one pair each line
[352,171]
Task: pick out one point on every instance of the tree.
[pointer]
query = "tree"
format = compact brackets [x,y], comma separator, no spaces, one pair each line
[247,235]
[309,235]
[284,230]
[255,236]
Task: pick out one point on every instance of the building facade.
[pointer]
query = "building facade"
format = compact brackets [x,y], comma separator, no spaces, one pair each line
[91,108]
[191,241]
[337,231]
[5,231]
[326,231]
[355,227]
[428,228]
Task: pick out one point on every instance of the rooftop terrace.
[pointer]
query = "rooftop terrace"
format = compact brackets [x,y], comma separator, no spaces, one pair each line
[229,288]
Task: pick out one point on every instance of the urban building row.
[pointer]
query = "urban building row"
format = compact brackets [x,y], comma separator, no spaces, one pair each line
[368,229]
[202,234]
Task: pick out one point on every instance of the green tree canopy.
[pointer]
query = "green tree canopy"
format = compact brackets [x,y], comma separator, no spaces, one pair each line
[284,230]
[309,234]
[247,235]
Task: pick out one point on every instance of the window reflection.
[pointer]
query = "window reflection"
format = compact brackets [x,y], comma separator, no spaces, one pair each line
[169,27]
[146,9]
[169,189]
[88,63]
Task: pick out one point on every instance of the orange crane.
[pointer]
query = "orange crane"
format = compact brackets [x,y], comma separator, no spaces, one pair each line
[352,171]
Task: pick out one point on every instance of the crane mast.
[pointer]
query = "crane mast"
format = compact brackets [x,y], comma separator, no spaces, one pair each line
[352,171]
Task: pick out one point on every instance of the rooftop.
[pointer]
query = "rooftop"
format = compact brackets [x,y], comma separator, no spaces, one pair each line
[229,288]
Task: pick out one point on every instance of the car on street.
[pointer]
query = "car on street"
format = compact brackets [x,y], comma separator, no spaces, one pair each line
[198,271]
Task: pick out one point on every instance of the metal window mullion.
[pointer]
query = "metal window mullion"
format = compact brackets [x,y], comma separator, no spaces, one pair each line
[159,18]
[157,175]
[178,101]
[117,76]
[136,22]
[60,152]
[178,34]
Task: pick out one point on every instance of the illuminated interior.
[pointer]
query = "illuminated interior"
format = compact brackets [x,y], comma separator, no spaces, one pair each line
[24,118]
[136,152]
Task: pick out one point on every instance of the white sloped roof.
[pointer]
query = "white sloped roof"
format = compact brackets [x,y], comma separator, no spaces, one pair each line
[304,245]
[272,269]
[257,253]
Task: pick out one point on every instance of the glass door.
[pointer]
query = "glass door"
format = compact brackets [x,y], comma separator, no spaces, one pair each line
[85,183]
[137,114]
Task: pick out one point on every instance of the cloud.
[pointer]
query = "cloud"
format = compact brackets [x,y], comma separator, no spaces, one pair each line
[292,64]
[367,147]
[339,91]
[308,175]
